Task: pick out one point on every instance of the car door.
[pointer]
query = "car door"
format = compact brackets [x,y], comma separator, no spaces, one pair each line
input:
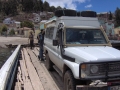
[60,59]
[55,56]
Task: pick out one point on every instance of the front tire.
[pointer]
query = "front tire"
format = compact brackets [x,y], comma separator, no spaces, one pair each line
[48,63]
[69,81]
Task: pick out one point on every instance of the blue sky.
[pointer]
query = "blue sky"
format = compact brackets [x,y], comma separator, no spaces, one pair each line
[99,5]
[79,5]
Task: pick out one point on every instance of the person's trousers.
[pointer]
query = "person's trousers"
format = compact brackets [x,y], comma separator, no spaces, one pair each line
[31,44]
[41,52]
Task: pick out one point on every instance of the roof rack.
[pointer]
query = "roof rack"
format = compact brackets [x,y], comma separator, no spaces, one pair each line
[69,12]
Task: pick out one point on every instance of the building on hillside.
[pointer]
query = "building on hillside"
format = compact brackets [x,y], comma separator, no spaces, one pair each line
[108,25]
[2,24]
[17,24]
[24,17]
[36,29]
[42,24]
[109,28]
[46,15]
[33,17]
[117,31]
[8,21]
[103,16]
[14,26]
[25,31]
[36,18]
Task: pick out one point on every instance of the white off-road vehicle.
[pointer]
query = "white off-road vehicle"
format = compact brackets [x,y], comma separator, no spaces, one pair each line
[79,50]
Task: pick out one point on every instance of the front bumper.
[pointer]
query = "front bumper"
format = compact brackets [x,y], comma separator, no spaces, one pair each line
[108,71]
[103,78]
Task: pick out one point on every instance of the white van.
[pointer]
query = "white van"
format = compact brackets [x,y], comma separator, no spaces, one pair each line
[79,50]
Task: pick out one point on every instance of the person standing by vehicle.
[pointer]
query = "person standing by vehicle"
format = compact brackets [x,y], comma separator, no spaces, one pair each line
[41,42]
[31,40]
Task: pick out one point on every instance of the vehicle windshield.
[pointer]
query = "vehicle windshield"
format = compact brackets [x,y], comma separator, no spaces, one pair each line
[84,36]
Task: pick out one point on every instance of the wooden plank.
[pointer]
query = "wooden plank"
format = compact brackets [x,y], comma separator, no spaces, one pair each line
[25,76]
[37,49]
[54,75]
[23,65]
[19,85]
[36,83]
[19,70]
[16,86]
[23,70]
[19,75]
[47,82]
[27,85]
[57,79]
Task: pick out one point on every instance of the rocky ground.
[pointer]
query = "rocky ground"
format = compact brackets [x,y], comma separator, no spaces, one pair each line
[14,41]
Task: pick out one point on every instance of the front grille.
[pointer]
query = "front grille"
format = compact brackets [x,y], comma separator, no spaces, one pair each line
[110,67]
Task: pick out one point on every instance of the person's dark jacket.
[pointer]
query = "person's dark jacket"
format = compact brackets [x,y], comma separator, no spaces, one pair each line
[41,38]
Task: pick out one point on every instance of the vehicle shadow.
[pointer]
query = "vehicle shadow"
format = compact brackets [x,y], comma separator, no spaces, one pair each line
[56,78]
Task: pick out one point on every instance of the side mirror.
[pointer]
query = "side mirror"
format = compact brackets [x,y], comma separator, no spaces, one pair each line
[55,42]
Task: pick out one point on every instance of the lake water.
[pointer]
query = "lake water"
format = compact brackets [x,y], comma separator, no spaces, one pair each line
[4,55]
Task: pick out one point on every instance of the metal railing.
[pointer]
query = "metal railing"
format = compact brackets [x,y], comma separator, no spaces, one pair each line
[7,72]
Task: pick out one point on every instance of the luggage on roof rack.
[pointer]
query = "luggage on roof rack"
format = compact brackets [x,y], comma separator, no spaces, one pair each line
[78,13]
[69,12]
[66,12]
[88,14]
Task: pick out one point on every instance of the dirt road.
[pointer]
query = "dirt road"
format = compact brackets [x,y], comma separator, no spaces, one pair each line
[14,41]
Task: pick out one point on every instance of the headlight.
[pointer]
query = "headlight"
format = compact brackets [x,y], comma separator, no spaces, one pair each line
[88,70]
[94,69]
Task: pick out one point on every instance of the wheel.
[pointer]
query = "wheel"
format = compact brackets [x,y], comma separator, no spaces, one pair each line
[69,81]
[48,63]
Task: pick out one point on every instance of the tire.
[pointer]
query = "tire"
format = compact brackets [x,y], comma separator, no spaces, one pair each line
[48,63]
[88,14]
[66,12]
[69,81]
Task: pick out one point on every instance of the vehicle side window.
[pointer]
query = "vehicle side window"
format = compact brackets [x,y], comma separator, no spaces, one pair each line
[49,32]
[57,36]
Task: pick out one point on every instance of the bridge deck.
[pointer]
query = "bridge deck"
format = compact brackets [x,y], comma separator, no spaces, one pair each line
[33,75]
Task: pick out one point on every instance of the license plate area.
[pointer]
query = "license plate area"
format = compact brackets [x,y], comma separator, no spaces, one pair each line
[114,87]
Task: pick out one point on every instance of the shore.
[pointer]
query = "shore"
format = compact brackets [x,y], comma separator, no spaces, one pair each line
[14,41]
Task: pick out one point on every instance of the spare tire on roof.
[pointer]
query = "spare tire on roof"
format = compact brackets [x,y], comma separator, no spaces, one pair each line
[66,12]
[88,14]
[78,13]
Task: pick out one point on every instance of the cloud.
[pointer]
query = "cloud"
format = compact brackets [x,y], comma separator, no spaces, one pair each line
[88,6]
[69,4]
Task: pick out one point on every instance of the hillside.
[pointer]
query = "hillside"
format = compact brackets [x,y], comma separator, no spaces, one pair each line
[14,7]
